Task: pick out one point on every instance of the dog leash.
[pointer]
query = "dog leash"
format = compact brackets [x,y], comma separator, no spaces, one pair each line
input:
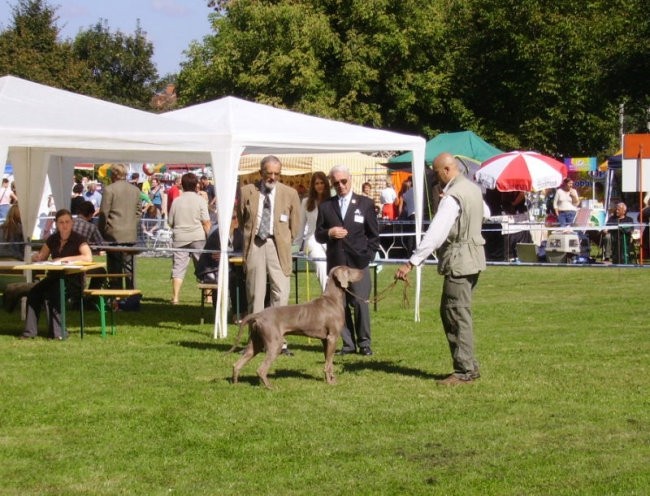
[384,292]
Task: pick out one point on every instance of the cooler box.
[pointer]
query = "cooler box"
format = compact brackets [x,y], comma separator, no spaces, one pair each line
[561,244]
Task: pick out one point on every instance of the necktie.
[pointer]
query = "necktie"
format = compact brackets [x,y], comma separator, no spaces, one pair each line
[265,222]
[344,206]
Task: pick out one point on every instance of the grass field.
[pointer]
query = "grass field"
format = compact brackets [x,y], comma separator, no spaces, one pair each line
[562,407]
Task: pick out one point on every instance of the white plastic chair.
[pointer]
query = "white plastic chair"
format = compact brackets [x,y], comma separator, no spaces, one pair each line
[162,240]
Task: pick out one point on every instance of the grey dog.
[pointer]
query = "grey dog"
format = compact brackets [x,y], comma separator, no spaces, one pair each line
[322,318]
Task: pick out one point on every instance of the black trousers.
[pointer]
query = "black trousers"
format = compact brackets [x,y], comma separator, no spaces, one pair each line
[357,314]
[45,294]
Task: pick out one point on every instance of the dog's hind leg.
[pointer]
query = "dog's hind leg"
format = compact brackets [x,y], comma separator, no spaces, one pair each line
[254,346]
[263,370]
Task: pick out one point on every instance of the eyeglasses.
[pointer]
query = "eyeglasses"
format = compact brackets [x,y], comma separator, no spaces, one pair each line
[341,182]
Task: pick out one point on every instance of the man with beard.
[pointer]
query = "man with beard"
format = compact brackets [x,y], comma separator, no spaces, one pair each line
[269,212]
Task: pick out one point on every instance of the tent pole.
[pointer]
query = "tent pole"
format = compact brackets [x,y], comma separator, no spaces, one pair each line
[640,169]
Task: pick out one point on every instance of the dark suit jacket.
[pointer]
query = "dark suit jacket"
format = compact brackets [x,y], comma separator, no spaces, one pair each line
[359,247]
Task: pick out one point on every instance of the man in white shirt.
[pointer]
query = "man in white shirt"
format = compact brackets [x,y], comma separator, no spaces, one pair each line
[455,235]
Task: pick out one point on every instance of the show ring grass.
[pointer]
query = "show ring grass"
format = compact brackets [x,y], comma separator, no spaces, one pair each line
[562,407]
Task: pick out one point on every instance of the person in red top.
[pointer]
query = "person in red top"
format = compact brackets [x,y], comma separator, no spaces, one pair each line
[173,193]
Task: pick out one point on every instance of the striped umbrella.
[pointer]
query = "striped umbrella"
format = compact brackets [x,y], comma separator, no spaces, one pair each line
[521,171]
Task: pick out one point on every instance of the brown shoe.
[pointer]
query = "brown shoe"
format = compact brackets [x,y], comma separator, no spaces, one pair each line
[455,380]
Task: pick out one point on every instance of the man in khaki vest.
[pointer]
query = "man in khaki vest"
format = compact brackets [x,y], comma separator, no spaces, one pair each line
[455,235]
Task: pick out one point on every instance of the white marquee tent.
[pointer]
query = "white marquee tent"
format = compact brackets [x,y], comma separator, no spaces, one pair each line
[44,131]
[240,126]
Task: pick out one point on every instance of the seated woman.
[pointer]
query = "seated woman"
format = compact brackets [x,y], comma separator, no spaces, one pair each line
[207,268]
[151,220]
[12,248]
[64,245]
[11,235]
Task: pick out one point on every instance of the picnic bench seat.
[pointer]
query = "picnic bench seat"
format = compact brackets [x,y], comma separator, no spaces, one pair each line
[104,294]
[207,289]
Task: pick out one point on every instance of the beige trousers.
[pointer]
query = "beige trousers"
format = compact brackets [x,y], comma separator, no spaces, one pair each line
[262,265]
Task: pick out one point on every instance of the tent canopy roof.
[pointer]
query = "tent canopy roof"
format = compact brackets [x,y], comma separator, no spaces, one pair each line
[465,143]
[44,131]
[37,116]
[264,129]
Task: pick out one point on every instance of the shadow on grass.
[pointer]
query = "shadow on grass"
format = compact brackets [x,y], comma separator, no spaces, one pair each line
[360,363]
[254,380]
[388,368]
[223,347]
[12,329]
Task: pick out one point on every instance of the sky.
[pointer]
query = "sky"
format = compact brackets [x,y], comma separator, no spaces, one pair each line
[169,24]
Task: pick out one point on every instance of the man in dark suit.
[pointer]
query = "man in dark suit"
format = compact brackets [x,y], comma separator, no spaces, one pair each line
[119,216]
[347,223]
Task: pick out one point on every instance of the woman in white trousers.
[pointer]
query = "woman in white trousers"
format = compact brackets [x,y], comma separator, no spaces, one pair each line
[319,190]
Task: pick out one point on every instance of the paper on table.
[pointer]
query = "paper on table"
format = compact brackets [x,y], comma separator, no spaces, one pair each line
[60,262]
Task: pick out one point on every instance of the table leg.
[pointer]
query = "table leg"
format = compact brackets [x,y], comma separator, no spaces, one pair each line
[102,315]
[64,330]
[112,318]
[133,261]
[237,300]
[81,318]
[202,305]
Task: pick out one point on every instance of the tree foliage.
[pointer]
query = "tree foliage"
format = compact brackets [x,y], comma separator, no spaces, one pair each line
[525,74]
[119,64]
[113,66]
[30,49]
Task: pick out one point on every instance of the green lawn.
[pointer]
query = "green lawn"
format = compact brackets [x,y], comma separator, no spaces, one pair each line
[562,407]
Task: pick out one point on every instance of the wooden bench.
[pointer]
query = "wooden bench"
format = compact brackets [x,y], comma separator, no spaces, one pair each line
[206,289]
[104,294]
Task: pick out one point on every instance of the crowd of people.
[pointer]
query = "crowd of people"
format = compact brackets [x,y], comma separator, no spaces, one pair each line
[103,216]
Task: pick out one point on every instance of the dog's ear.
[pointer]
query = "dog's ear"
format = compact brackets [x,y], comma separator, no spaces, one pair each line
[342,276]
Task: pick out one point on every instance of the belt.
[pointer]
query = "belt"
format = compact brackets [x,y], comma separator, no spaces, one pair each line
[260,240]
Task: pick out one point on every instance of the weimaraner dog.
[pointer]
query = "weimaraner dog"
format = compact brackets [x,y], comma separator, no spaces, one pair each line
[322,318]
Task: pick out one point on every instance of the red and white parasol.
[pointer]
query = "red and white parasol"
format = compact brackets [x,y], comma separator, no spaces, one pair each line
[521,171]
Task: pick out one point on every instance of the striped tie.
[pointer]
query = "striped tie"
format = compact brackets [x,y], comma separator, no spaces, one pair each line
[265,223]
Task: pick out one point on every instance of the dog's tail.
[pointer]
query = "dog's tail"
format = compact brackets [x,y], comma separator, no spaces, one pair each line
[242,323]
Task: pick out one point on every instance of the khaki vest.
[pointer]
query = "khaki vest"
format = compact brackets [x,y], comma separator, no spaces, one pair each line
[463,252]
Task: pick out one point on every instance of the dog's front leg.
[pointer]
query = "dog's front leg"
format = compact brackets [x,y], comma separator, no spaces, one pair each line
[329,346]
